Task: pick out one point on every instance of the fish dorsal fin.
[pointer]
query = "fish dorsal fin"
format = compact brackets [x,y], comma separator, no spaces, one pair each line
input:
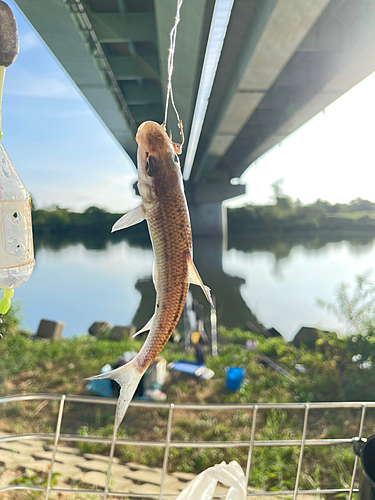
[147,327]
[130,218]
[194,279]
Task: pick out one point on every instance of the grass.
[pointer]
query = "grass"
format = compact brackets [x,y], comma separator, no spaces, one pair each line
[29,366]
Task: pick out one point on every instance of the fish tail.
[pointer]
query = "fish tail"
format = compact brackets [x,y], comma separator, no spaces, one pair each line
[128,377]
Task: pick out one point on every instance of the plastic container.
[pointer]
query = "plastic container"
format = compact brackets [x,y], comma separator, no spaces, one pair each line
[234,378]
[16,237]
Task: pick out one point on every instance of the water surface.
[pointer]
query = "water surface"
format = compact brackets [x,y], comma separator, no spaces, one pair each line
[274,281]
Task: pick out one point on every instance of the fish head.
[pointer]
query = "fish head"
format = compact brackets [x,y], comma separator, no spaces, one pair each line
[159,169]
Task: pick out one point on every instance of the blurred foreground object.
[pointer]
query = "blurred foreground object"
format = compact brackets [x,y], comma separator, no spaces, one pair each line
[365,449]
[16,248]
[203,486]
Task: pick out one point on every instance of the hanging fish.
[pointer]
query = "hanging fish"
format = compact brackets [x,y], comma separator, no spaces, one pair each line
[165,209]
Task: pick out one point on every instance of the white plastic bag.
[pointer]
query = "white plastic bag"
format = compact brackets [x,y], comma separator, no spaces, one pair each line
[203,486]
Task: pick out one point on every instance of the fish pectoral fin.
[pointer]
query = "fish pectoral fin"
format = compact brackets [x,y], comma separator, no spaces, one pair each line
[147,327]
[130,218]
[194,279]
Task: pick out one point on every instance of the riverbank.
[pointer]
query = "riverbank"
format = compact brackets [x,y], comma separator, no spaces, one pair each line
[285,218]
[330,373]
[290,217]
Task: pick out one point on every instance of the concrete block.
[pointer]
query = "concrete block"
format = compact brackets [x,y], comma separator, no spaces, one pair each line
[143,476]
[184,476]
[306,335]
[70,459]
[52,330]
[67,471]
[120,485]
[122,332]
[63,449]
[103,458]
[93,465]
[8,459]
[144,489]
[98,328]
[96,479]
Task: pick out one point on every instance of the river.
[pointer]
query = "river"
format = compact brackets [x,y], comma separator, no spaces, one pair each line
[277,280]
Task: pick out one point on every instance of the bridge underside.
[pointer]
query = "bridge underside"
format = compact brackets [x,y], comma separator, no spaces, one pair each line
[282,62]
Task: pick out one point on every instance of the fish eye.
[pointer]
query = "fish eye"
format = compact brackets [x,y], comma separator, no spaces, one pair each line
[152,166]
[175,158]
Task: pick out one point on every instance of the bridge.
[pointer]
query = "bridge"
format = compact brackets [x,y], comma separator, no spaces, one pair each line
[267,65]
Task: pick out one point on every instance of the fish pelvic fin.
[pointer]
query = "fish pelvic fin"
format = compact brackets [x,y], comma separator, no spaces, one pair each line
[194,279]
[147,327]
[128,377]
[131,218]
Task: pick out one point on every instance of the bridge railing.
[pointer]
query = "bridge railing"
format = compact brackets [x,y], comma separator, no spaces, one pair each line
[168,443]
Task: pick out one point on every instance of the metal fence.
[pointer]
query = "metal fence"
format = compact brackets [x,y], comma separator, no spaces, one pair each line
[251,443]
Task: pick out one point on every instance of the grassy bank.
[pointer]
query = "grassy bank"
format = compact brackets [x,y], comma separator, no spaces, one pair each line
[287,217]
[28,366]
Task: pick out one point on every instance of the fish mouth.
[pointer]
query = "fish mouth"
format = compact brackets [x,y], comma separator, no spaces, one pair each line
[151,132]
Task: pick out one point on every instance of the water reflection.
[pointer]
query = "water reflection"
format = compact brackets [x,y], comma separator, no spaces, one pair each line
[270,280]
[231,308]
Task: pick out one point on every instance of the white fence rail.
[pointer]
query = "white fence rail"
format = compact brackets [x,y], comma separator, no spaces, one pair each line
[251,443]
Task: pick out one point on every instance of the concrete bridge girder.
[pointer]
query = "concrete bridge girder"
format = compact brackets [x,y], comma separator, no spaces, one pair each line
[207,212]
[275,30]
[337,53]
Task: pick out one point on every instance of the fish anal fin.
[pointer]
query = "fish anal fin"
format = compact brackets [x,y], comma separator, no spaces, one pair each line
[130,218]
[194,279]
[147,327]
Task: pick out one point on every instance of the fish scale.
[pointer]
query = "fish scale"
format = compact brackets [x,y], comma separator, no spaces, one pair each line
[170,232]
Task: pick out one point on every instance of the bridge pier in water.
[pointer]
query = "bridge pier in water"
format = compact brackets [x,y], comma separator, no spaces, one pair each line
[207,212]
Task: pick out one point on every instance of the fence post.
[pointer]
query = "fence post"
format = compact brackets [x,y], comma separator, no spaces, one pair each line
[213,328]
[356,457]
[166,451]
[111,453]
[252,437]
[57,435]
[302,450]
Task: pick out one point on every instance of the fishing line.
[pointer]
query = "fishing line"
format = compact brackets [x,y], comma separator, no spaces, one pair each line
[172,48]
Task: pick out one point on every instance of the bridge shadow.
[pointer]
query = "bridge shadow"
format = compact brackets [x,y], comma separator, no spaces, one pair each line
[232,310]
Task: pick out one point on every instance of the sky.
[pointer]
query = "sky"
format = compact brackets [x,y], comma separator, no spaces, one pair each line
[67,157]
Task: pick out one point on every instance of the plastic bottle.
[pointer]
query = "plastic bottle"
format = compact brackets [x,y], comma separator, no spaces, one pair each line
[16,238]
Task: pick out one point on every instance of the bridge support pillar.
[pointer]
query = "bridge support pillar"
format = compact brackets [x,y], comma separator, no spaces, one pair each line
[207,213]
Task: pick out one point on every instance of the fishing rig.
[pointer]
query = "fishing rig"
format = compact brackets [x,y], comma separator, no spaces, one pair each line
[169,96]
[16,237]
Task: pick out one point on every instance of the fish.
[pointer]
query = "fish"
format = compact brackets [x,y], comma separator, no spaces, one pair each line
[165,209]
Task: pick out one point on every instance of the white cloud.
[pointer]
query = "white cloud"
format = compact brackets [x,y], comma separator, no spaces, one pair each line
[29,41]
[43,87]
[76,112]
[115,194]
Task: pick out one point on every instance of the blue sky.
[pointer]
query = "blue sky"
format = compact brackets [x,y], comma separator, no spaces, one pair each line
[60,148]
[66,156]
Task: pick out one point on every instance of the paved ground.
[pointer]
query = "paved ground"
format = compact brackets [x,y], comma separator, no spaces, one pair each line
[87,471]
